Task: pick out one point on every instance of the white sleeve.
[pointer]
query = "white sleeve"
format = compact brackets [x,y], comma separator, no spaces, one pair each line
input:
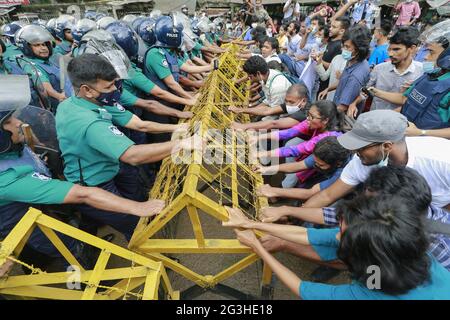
[287,4]
[355,172]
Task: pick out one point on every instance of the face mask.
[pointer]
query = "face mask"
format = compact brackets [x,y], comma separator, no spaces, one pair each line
[384,161]
[347,55]
[254,25]
[290,108]
[314,30]
[110,98]
[319,41]
[428,67]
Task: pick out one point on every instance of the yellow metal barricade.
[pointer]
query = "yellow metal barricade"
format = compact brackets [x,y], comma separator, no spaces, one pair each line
[140,280]
[203,186]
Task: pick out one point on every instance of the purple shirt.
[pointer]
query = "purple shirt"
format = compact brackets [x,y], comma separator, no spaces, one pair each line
[305,148]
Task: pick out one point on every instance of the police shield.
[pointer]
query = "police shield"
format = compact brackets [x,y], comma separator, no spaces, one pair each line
[14,92]
[42,125]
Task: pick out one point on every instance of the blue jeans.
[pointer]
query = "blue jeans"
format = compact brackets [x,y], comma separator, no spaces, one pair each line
[291,180]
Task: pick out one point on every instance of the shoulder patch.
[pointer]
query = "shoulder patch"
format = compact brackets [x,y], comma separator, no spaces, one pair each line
[165,64]
[115,131]
[120,107]
[39,176]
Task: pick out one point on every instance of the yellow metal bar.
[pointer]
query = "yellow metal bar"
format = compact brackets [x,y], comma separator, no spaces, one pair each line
[198,279]
[196,225]
[159,221]
[94,280]
[191,246]
[151,286]
[207,205]
[62,277]
[16,235]
[48,293]
[94,241]
[267,275]
[56,241]
[23,242]
[129,284]
[241,265]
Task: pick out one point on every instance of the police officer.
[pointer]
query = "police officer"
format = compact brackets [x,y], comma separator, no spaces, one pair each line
[137,83]
[11,67]
[161,64]
[79,30]
[426,103]
[8,31]
[25,180]
[92,146]
[63,30]
[36,44]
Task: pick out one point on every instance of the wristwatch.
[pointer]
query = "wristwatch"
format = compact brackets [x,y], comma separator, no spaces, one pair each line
[423,132]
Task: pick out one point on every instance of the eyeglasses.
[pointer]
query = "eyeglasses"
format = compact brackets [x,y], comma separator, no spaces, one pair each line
[312,117]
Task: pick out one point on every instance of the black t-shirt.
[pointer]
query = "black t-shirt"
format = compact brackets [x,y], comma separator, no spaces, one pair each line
[333,49]
[300,115]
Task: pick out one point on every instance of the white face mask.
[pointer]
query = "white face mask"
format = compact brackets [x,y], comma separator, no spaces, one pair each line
[254,25]
[290,109]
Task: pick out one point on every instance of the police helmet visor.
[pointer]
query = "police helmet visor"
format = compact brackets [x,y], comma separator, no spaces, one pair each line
[34,34]
[112,52]
[42,124]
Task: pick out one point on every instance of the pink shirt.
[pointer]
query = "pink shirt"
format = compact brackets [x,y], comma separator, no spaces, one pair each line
[408,11]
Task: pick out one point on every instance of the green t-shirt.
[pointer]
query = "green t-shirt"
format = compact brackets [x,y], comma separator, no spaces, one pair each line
[156,62]
[88,138]
[444,110]
[137,81]
[36,73]
[11,52]
[22,184]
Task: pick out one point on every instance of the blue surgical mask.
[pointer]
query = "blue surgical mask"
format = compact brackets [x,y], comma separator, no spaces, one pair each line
[347,55]
[428,67]
[384,161]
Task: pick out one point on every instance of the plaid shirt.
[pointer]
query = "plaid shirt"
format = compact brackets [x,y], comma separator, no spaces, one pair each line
[440,244]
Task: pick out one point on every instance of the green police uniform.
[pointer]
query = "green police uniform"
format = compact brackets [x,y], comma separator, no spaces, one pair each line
[444,110]
[156,61]
[88,138]
[35,71]
[11,52]
[59,49]
[197,50]
[137,81]
[23,184]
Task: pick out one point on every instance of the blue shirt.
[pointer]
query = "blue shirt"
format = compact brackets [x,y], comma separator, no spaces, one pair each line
[438,288]
[324,242]
[309,162]
[379,55]
[353,78]
[248,35]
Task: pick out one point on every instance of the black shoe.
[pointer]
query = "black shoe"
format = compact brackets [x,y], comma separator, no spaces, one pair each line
[324,274]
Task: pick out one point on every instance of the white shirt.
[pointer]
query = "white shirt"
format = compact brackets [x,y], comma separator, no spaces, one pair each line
[291,10]
[429,156]
[337,64]
[275,90]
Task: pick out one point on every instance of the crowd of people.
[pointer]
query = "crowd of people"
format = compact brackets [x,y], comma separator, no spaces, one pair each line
[359,112]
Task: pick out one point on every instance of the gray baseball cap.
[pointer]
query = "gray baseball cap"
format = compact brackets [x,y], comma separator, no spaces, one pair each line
[375,126]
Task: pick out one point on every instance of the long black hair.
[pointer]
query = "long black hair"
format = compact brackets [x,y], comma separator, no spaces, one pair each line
[328,110]
[383,231]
